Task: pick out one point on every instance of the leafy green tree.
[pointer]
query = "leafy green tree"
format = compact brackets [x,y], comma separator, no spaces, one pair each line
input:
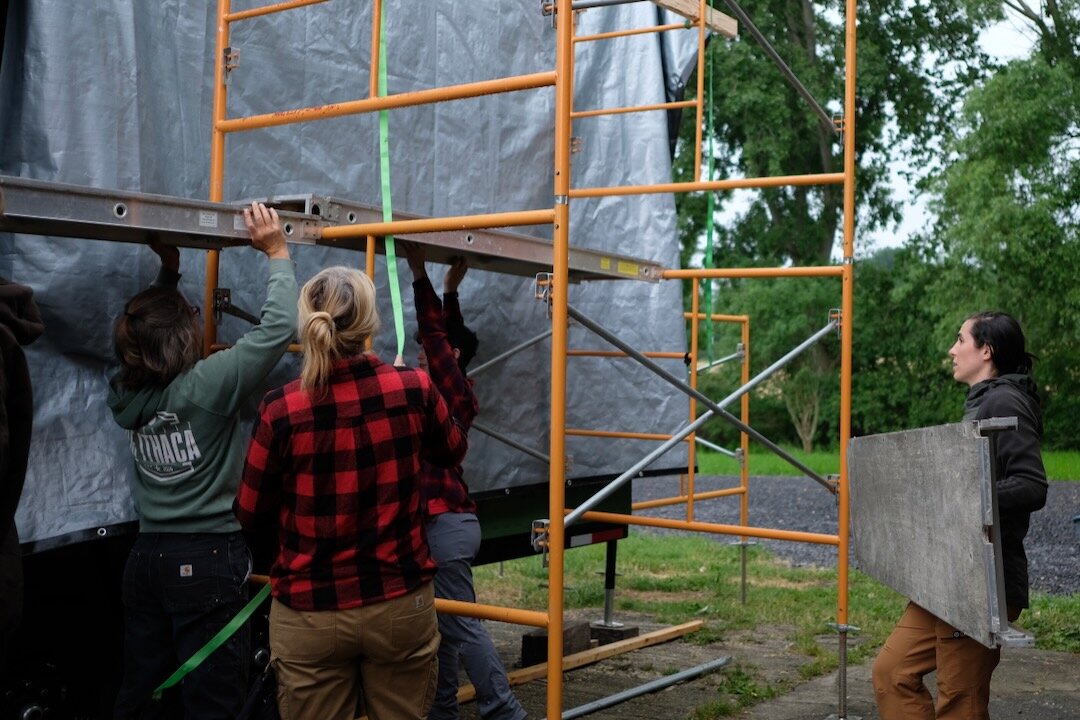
[915,58]
[1008,207]
[784,312]
[902,377]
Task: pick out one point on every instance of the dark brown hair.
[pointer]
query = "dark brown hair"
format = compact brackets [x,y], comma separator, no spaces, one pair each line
[465,340]
[156,338]
[1006,340]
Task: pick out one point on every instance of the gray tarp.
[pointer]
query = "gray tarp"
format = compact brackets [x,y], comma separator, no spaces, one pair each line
[116,94]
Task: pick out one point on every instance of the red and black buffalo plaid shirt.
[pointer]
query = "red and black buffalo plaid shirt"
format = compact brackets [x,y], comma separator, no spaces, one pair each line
[444,488]
[341,476]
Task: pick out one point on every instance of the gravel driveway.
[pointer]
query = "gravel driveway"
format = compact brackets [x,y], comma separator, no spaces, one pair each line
[802,504]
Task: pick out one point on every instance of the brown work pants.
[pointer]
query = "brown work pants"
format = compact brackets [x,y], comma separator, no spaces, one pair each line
[920,644]
[386,652]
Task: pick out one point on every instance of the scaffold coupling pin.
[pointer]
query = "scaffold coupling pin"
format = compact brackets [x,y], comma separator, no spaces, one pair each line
[834,485]
[542,289]
[837,316]
[231,61]
[223,305]
[843,628]
[540,530]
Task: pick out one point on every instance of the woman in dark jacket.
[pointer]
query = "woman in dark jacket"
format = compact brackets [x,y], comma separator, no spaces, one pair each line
[990,357]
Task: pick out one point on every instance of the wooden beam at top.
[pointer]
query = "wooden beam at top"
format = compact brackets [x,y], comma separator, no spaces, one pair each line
[718,21]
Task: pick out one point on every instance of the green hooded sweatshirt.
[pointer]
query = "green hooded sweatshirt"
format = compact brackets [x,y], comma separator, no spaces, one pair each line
[185,438]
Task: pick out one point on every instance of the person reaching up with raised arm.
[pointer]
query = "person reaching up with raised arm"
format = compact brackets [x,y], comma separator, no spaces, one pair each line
[186,576]
[453,531]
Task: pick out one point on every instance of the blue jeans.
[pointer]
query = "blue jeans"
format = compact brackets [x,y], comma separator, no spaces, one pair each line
[454,539]
[179,590]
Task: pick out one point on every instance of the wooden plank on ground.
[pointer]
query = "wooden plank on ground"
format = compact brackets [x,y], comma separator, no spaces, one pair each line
[718,21]
[592,655]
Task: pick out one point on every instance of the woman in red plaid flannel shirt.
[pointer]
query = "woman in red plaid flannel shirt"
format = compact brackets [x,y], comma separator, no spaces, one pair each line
[335,461]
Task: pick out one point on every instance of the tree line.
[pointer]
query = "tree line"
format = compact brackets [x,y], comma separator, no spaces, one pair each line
[993,145]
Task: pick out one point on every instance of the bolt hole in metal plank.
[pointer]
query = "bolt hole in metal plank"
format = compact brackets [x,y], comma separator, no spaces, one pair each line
[923,519]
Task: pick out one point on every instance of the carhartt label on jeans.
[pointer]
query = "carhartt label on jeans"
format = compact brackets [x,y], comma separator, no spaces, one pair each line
[185,571]
[419,602]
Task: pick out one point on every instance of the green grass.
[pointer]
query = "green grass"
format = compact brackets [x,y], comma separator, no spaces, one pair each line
[739,689]
[764,462]
[674,579]
[1060,464]
[1053,621]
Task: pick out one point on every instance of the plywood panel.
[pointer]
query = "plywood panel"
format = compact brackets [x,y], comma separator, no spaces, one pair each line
[922,507]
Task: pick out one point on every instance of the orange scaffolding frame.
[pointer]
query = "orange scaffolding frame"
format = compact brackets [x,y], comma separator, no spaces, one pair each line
[561,78]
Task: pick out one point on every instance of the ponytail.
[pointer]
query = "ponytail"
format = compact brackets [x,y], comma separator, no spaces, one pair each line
[337,318]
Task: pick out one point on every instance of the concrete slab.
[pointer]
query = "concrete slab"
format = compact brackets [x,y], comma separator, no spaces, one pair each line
[1029,684]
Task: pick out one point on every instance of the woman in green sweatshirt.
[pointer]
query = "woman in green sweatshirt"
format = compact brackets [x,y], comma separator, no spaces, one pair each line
[185,577]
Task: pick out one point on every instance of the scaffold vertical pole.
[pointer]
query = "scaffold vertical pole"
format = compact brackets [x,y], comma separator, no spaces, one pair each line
[217,169]
[564,68]
[846,315]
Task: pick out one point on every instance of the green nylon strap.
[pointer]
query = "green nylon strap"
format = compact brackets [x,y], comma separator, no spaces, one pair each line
[709,261]
[388,214]
[215,642]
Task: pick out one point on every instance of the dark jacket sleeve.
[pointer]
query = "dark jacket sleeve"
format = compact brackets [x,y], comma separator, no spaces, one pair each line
[1021,484]
[445,441]
[452,309]
[432,319]
[167,278]
[20,324]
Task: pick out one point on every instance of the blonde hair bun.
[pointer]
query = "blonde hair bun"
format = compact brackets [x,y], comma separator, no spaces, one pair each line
[337,319]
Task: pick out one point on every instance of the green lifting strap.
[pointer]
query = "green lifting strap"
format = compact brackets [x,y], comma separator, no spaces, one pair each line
[388,215]
[215,642]
[709,261]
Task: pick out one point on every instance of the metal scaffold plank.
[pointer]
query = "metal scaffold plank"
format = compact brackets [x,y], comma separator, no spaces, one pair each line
[44,208]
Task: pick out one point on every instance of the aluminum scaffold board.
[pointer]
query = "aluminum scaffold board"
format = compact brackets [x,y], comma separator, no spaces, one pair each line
[38,207]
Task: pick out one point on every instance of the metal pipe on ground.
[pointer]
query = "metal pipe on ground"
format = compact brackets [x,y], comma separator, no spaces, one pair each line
[652,686]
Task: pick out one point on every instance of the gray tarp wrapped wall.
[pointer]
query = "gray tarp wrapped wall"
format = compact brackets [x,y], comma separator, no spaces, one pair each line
[116,94]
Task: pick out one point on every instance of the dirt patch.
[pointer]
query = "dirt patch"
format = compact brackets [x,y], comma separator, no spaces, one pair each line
[654,595]
[764,672]
[757,661]
[780,583]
